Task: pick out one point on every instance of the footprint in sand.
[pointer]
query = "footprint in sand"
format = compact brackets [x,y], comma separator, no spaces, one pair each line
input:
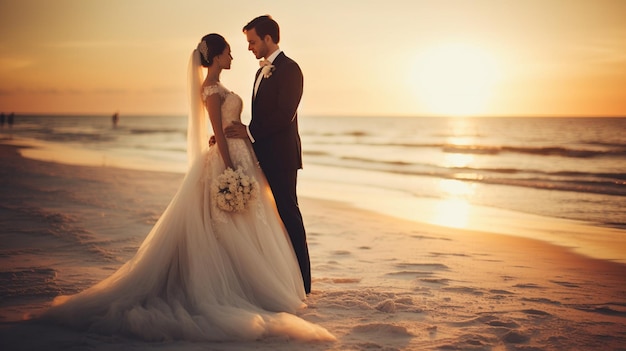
[542,300]
[424,272]
[498,294]
[426,237]
[425,266]
[501,292]
[464,290]
[534,312]
[383,329]
[499,323]
[528,286]
[436,281]
[565,284]
[410,274]
[515,337]
[443,254]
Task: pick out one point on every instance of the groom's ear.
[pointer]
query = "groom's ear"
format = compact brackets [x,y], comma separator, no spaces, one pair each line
[268,39]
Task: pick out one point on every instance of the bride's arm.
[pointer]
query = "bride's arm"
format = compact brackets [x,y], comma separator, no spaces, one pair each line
[214,107]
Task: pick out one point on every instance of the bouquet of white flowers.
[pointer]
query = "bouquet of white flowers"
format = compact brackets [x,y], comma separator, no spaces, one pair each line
[233,190]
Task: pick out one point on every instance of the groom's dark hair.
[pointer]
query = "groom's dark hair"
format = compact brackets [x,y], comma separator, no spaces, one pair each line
[264,25]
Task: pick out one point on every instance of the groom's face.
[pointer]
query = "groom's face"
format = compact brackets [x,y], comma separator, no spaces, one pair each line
[256,44]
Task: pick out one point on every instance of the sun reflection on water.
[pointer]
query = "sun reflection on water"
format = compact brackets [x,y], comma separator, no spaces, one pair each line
[454,210]
[457,160]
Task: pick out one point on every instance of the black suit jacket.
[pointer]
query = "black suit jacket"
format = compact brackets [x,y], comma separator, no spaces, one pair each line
[274,123]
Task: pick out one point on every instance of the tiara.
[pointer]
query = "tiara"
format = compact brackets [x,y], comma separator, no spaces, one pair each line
[204,50]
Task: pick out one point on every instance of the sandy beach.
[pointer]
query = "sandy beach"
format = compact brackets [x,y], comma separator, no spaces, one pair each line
[379,282]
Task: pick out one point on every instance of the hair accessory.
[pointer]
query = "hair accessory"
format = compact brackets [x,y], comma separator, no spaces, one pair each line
[204,50]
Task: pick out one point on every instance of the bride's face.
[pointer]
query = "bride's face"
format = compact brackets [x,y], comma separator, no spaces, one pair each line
[225,58]
[255,44]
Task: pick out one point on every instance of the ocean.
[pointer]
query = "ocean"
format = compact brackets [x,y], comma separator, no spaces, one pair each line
[562,168]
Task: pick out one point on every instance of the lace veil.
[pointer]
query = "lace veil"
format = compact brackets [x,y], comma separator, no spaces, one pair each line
[197,124]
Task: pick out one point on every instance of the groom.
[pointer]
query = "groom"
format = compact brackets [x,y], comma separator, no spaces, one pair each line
[273,129]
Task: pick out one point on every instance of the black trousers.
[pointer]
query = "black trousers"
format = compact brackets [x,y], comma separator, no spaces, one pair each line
[283,185]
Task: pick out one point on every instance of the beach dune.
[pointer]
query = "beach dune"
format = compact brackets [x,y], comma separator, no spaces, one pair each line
[380,283]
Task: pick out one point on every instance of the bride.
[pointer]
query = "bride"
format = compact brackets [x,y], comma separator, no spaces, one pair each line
[203,273]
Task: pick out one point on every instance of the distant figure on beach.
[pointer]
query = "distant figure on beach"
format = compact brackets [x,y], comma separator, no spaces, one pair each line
[218,264]
[115,119]
[11,119]
[2,119]
[273,129]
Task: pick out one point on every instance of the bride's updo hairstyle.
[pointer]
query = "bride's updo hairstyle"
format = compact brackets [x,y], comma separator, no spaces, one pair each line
[210,46]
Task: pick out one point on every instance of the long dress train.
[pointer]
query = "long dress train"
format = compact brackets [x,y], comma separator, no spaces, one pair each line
[201,273]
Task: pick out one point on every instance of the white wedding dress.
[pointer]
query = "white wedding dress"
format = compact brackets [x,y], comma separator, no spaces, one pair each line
[203,274]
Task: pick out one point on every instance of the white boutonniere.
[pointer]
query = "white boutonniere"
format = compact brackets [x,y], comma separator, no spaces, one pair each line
[267,68]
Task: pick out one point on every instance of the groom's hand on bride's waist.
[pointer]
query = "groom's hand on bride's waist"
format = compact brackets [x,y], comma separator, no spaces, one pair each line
[236,130]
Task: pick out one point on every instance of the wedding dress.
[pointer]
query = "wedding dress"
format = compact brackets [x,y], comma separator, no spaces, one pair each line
[203,274]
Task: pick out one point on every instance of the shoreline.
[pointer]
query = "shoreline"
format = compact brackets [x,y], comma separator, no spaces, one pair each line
[380,282]
[589,239]
[320,200]
[584,238]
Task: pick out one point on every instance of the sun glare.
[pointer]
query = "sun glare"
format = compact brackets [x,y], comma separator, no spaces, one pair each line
[455,79]
[454,210]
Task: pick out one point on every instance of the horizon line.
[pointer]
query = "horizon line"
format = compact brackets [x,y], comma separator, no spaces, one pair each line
[147,114]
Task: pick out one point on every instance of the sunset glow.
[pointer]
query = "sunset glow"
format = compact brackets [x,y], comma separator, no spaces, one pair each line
[397,58]
[455,79]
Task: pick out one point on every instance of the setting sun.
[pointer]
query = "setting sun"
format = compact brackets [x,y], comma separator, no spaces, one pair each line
[455,79]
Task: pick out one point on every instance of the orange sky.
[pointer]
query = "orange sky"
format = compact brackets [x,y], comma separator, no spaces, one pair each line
[438,57]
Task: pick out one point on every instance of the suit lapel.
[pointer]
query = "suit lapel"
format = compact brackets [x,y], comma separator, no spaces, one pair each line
[276,63]
[256,76]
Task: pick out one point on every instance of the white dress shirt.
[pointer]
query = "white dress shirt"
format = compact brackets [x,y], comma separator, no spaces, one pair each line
[271,59]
